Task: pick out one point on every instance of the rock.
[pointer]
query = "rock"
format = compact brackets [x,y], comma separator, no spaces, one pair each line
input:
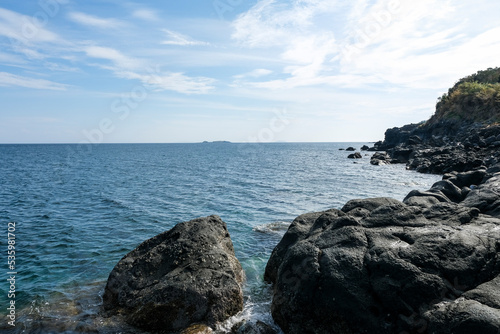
[438,195]
[487,293]
[369,204]
[364,148]
[461,316]
[486,197]
[382,266]
[414,140]
[380,158]
[187,275]
[296,232]
[421,201]
[356,155]
[350,148]
[448,189]
[467,179]
[401,154]
[490,140]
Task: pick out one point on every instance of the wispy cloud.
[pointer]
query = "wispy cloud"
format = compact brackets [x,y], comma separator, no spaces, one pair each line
[181,83]
[95,22]
[175,38]
[132,68]
[145,14]
[385,42]
[8,80]
[257,73]
[6,58]
[116,57]
[23,28]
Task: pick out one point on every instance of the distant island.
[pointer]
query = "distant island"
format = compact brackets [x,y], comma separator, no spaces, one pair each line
[216,142]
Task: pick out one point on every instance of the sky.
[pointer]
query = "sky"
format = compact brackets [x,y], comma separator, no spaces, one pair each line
[114,71]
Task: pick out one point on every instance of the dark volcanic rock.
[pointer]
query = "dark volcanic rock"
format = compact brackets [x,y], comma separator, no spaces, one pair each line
[350,148]
[466,179]
[380,158]
[486,197]
[187,275]
[364,148]
[356,155]
[449,190]
[382,266]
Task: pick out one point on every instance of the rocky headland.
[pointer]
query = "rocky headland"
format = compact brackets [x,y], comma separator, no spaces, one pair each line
[462,135]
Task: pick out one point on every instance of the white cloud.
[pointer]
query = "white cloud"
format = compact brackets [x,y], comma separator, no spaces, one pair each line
[271,23]
[6,58]
[257,73]
[119,59]
[9,80]
[135,69]
[94,21]
[145,14]
[361,43]
[24,29]
[180,83]
[424,48]
[175,38]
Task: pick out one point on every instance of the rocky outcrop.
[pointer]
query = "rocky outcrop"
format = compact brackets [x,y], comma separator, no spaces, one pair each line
[442,147]
[380,158]
[356,155]
[187,275]
[429,264]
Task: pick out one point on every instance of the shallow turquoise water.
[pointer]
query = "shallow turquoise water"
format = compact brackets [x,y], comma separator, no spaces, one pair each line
[79,209]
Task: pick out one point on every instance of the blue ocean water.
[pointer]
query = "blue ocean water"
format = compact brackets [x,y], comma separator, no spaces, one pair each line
[79,208]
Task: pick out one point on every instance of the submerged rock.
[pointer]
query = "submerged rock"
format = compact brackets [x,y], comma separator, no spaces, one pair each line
[187,275]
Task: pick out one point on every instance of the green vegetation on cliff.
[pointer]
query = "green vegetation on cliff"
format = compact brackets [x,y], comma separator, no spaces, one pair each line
[475,98]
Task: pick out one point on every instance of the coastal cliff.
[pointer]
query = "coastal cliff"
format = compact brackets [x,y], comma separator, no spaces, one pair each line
[463,134]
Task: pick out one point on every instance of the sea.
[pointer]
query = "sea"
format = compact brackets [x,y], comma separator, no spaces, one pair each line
[73,211]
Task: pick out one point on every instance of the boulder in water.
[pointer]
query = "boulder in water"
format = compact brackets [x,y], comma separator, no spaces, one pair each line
[187,275]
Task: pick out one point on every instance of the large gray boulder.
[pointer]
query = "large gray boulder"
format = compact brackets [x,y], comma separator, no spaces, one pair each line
[383,266]
[187,275]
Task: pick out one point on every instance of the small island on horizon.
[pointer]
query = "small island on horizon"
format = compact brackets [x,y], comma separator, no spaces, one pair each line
[216,142]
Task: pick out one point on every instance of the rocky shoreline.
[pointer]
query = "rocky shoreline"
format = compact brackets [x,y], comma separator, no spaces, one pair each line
[427,264]
[445,147]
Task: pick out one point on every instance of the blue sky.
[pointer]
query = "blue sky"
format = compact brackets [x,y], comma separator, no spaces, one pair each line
[254,70]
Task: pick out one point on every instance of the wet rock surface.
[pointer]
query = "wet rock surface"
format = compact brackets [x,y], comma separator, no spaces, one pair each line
[186,276]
